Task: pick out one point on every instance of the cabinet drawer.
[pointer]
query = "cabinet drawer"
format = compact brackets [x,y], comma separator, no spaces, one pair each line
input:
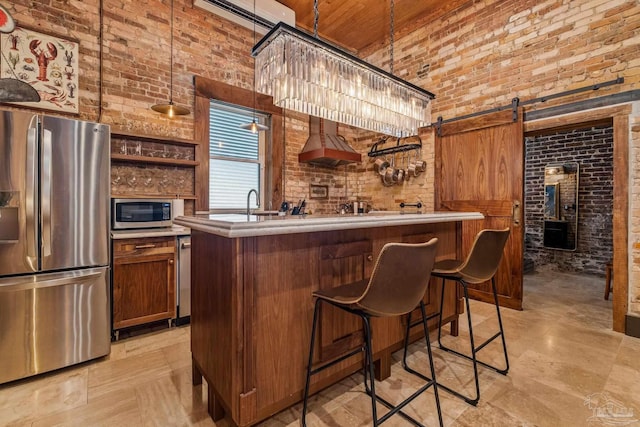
[144,246]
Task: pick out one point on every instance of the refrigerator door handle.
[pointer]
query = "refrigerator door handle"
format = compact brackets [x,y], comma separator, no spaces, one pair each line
[46,193]
[31,197]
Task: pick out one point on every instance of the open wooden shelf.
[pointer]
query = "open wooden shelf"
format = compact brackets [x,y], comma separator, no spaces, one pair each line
[154,138]
[154,160]
[153,196]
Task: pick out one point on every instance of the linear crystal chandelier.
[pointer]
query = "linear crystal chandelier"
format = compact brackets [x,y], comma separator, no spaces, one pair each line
[308,75]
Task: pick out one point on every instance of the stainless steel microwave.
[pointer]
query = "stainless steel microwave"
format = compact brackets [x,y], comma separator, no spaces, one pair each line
[140,213]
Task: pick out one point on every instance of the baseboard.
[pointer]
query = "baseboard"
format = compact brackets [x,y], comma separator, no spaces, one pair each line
[632,326]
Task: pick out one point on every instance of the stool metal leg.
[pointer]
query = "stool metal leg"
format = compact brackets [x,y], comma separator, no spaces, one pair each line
[474,349]
[311,348]
[369,379]
[432,368]
[504,342]
[430,381]
[369,364]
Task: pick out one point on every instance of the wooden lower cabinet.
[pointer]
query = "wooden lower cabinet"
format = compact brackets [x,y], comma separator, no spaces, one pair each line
[143,281]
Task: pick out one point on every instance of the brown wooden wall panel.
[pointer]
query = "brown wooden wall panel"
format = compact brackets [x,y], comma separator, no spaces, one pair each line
[480,167]
[341,264]
[620,221]
[255,295]
[201,131]
[477,123]
[213,345]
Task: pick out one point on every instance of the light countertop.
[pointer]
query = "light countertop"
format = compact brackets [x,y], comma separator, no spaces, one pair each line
[174,230]
[235,225]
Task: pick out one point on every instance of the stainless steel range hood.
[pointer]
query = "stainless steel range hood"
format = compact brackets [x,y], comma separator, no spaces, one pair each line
[325,147]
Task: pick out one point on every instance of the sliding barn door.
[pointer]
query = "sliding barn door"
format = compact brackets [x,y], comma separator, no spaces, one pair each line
[479,166]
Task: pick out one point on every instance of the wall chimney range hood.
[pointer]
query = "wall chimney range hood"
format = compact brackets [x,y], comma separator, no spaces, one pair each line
[325,147]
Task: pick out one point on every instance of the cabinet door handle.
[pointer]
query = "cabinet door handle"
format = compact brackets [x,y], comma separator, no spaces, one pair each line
[369,257]
[148,246]
[170,261]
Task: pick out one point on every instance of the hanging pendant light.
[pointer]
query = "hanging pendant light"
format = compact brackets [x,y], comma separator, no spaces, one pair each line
[170,108]
[254,126]
[309,75]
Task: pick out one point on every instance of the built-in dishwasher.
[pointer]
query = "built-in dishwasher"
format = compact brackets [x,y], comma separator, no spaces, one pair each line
[183,281]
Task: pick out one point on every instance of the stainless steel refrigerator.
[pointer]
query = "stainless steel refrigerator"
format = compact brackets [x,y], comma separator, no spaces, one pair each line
[54,243]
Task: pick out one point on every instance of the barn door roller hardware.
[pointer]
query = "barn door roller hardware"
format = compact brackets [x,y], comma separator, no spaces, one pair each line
[515,103]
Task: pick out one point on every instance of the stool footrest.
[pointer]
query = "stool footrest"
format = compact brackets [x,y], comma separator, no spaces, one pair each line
[483,345]
[457,353]
[397,409]
[473,402]
[336,361]
[419,321]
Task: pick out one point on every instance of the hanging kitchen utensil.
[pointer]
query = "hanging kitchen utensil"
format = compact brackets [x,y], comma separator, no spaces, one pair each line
[380,165]
[387,177]
[411,169]
[395,173]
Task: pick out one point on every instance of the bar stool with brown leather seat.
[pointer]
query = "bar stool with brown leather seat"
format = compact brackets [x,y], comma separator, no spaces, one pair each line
[397,286]
[480,266]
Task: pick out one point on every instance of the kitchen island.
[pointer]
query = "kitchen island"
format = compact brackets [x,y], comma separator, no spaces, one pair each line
[252,307]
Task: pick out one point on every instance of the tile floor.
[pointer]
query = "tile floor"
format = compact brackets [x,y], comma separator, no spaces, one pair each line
[567,368]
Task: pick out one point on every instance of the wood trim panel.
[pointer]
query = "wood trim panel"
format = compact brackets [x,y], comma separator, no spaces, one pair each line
[248,316]
[275,162]
[207,89]
[212,89]
[214,348]
[620,221]
[479,122]
[570,121]
[201,135]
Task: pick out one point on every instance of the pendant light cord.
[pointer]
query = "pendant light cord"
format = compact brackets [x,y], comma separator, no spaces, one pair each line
[391,37]
[254,62]
[316,18]
[171,60]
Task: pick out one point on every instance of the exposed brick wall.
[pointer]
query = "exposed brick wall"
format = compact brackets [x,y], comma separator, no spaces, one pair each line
[137,56]
[593,149]
[477,56]
[486,52]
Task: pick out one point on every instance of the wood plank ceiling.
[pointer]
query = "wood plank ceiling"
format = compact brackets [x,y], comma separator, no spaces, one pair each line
[358,25]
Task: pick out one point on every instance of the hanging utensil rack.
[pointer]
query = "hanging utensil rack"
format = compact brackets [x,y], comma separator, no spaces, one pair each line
[400,147]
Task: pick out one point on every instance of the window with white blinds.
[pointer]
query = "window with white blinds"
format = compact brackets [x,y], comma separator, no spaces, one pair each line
[235,157]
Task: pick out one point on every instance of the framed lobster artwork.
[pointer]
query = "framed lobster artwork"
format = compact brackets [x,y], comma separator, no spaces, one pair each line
[48,63]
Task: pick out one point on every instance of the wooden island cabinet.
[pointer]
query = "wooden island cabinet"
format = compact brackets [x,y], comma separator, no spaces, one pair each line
[252,306]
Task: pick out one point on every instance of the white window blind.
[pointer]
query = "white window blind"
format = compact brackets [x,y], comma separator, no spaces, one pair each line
[234,158]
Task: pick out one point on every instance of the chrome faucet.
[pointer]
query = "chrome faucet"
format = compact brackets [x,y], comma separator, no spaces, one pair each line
[249,198]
